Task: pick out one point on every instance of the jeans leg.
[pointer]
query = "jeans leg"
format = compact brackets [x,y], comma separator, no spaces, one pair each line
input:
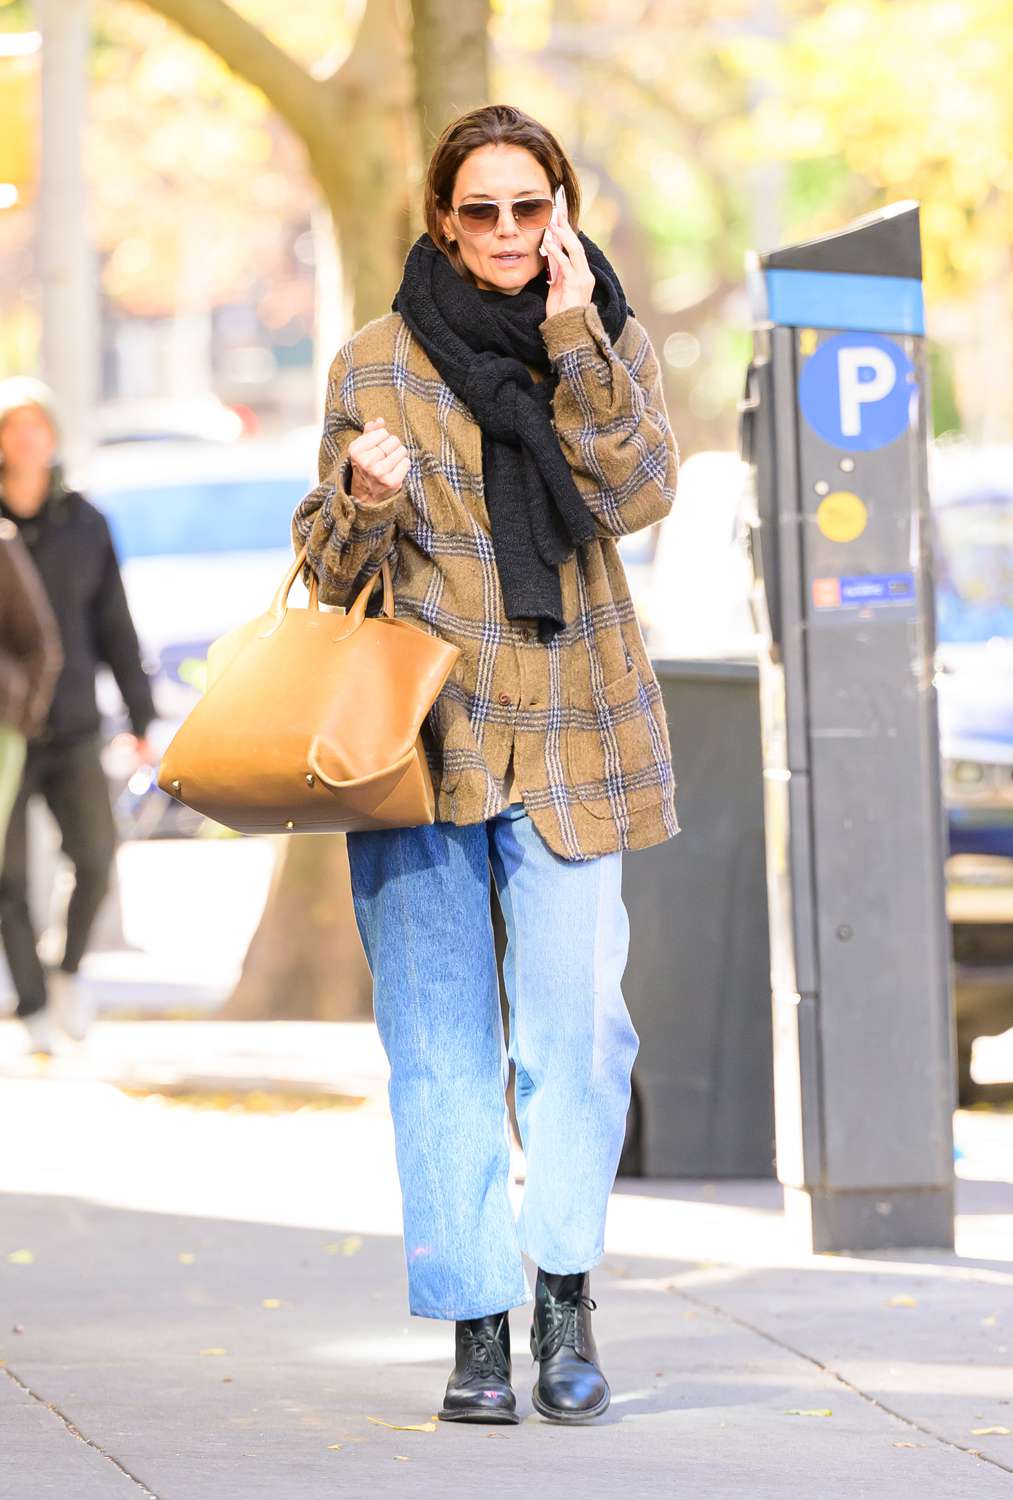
[77,791]
[16,926]
[422,905]
[572,1038]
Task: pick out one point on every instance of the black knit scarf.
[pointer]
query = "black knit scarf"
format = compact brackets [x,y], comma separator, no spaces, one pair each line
[479,340]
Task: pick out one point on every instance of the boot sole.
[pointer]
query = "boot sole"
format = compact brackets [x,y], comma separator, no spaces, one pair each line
[558,1414]
[499,1418]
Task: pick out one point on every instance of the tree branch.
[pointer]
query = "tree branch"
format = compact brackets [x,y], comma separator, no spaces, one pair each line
[293,92]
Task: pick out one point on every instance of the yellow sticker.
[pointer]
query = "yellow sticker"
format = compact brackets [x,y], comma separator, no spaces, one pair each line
[807,341]
[841,516]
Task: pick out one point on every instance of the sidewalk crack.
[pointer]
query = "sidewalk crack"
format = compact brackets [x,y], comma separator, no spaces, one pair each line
[841,1380]
[76,1432]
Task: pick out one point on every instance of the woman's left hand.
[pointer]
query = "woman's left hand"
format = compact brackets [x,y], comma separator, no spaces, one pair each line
[572,278]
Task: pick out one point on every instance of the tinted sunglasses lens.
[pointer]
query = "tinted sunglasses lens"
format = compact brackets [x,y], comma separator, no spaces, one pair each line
[533,213]
[478,215]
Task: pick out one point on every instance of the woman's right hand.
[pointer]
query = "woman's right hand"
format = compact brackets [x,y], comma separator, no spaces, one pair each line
[379,463]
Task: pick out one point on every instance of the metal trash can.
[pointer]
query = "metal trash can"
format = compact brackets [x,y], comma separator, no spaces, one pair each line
[697,982]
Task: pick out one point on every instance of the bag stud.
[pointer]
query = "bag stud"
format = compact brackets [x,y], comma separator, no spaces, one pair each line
[311,780]
[175,788]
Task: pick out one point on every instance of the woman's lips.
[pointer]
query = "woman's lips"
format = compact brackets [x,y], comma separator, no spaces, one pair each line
[510,255]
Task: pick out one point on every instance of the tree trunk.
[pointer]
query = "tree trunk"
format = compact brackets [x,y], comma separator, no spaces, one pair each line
[450,59]
[305,961]
[362,159]
[364,130]
[68,276]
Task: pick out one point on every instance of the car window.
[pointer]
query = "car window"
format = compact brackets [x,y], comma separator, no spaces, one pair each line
[974,568]
[183,520]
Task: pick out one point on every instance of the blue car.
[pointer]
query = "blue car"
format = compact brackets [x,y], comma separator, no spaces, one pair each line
[202,531]
[973,514]
[972,503]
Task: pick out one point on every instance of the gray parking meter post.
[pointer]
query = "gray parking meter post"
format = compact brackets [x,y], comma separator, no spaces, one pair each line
[834,428]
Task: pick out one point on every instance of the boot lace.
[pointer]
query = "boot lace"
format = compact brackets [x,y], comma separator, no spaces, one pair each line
[486,1352]
[561,1320]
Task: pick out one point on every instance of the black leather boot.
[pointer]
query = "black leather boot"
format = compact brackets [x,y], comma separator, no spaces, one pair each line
[570,1386]
[479,1387]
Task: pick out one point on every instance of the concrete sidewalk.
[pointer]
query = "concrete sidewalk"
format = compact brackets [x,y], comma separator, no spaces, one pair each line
[307,1057]
[209,1304]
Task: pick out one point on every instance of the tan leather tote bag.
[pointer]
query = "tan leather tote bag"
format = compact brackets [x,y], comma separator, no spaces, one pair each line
[311,720]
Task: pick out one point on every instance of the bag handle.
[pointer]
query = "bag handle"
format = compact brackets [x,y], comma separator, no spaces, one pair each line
[279,604]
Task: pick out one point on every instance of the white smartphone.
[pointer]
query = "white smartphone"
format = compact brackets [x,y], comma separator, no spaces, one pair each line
[558,214]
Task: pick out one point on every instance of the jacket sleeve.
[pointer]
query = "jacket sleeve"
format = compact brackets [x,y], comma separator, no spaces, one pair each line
[30,652]
[346,539]
[610,418]
[117,642]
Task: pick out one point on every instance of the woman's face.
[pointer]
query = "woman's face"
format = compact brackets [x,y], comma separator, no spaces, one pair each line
[27,440]
[500,172]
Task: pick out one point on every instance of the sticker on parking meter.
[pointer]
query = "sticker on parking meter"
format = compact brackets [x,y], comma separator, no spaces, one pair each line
[862,590]
[842,516]
[859,391]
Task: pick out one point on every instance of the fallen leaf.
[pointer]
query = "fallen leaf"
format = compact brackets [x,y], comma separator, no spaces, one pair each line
[351,1245]
[271,1302]
[820,1411]
[335,1447]
[402,1458]
[332,1249]
[992,1432]
[902,1300]
[905,1445]
[214,1351]
[990,1321]
[21,1258]
[185,1258]
[406,1427]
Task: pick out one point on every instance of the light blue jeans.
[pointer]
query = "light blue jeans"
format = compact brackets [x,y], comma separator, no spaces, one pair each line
[422,904]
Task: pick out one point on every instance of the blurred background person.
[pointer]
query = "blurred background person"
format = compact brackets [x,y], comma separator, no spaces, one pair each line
[30,661]
[71,547]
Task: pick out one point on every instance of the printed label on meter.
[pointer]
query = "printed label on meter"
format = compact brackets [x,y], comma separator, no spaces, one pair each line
[860,590]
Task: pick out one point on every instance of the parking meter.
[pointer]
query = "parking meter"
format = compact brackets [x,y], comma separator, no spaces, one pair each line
[837,527]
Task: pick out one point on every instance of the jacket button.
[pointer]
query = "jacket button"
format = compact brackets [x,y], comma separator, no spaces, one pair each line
[505,698]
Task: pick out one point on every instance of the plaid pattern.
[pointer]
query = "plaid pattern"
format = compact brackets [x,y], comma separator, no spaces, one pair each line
[583,713]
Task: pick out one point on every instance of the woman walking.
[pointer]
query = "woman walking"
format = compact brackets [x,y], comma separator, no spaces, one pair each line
[493,436]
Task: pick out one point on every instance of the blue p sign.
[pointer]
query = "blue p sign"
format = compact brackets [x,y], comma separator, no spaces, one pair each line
[858,391]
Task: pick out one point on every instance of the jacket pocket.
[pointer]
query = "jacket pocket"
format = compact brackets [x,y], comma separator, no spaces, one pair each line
[617,757]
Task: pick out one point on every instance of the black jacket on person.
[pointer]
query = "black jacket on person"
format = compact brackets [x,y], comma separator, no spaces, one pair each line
[72,548]
[30,653]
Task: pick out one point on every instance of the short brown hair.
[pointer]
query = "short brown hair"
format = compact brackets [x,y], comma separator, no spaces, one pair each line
[491,125]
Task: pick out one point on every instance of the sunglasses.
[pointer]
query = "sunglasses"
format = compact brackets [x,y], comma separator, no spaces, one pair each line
[481,216]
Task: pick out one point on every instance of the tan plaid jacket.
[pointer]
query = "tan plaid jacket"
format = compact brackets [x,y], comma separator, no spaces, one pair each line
[582,714]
